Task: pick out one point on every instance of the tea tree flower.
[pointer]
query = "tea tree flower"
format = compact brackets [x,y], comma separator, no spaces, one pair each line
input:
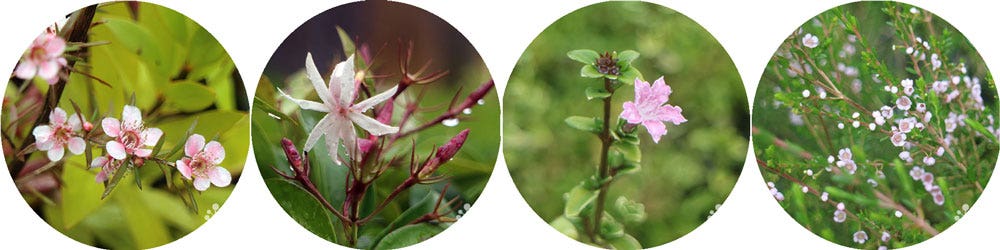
[44,59]
[201,163]
[810,41]
[342,112]
[108,166]
[860,237]
[650,108]
[60,134]
[130,136]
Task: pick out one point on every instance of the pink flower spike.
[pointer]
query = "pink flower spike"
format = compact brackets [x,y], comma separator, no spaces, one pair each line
[43,59]
[201,163]
[61,134]
[130,136]
[650,108]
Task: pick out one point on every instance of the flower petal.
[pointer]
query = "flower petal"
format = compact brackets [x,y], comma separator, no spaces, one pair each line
[656,129]
[631,113]
[305,104]
[317,80]
[76,145]
[45,145]
[151,136]
[194,145]
[112,127]
[48,69]
[215,152]
[75,122]
[660,92]
[56,153]
[201,183]
[322,127]
[58,116]
[371,102]
[131,117]
[184,168]
[343,75]
[670,113]
[42,133]
[115,149]
[143,152]
[101,176]
[26,70]
[371,125]
[99,161]
[641,90]
[220,177]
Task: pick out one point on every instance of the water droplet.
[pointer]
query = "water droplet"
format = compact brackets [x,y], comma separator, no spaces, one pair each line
[450,122]
[207,217]
[481,102]
[215,206]
[274,116]
[467,206]
[467,111]
[209,212]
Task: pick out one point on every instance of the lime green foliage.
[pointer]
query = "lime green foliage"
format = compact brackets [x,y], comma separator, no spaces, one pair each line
[693,168]
[865,50]
[178,74]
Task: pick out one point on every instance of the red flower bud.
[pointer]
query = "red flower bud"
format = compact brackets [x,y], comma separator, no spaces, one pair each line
[448,150]
[294,159]
[87,126]
[477,95]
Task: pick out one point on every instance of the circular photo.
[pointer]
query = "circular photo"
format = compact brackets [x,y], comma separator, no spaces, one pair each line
[625,133]
[125,125]
[875,125]
[376,134]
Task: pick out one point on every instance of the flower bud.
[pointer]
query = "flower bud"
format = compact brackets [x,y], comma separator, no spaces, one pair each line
[444,153]
[87,126]
[294,159]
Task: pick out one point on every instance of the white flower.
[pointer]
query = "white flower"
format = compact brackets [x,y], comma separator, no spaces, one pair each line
[60,134]
[839,216]
[906,83]
[903,103]
[940,151]
[885,236]
[886,111]
[342,112]
[809,40]
[898,138]
[805,189]
[825,196]
[929,161]
[921,107]
[906,124]
[830,159]
[805,93]
[845,154]
[871,126]
[935,62]
[860,237]
[898,214]
[916,173]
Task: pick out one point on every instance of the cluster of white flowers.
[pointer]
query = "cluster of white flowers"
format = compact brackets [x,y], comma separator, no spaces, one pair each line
[840,215]
[774,192]
[846,161]
[927,178]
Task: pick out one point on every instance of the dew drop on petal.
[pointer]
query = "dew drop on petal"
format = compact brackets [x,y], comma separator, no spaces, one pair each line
[450,122]
[467,111]
[481,102]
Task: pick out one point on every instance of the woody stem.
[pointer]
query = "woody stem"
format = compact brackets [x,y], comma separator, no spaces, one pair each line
[604,171]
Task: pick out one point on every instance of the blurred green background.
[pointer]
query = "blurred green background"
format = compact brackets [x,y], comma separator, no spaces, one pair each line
[433,40]
[693,168]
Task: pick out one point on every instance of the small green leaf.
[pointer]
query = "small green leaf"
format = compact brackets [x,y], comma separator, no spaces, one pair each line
[564,226]
[346,41]
[626,242]
[115,179]
[630,151]
[584,56]
[595,92]
[588,124]
[982,130]
[409,235]
[578,199]
[304,209]
[628,168]
[590,71]
[630,211]
[611,228]
[615,158]
[626,57]
[420,208]
[189,96]
[628,76]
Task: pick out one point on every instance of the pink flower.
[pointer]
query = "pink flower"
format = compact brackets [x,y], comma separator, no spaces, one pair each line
[839,216]
[860,237]
[60,134]
[43,59]
[201,162]
[130,136]
[342,112]
[810,41]
[108,166]
[651,109]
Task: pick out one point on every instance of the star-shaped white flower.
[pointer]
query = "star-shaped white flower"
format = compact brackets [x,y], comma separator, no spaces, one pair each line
[342,112]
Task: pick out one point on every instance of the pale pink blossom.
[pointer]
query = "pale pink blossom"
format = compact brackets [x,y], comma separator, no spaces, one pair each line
[937,195]
[906,124]
[59,135]
[903,103]
[342,113]
[839,216]
[130,136]
[860,237]
[108,166]
[44,59]
[916,173]
[650,108]
[810,41]
[201,163]
[898,138]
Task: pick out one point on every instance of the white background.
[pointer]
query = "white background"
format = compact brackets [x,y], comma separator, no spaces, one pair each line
[500,30]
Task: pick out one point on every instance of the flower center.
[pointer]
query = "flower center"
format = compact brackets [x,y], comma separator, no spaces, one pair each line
[38,54]
[131,139]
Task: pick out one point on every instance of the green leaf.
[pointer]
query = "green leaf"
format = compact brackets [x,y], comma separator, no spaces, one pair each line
[982,130]
[188,96]
[590,71]
[147,230]
[630,211]
[578,199]
[626,242]
[584,56]
[630,151]
[588,124]
[419,209]
[565,227]
[346,41]
[409,235]
[626,57]
[115,178]
[595,92]
[81,195]
[629,75]
[303,208]
[610,228]
[170,208]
